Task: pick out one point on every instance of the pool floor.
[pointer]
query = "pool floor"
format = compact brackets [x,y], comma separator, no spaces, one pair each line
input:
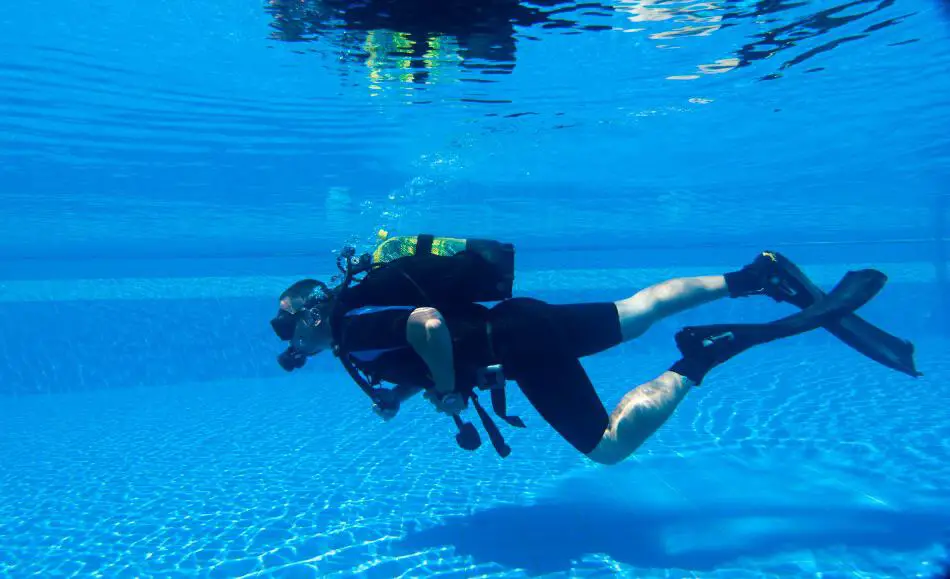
[781,465]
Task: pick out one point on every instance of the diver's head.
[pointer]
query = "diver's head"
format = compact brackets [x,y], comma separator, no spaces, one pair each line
[302,320]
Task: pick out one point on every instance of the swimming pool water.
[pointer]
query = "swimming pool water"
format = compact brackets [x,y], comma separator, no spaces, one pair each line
[799,459]
[166,169]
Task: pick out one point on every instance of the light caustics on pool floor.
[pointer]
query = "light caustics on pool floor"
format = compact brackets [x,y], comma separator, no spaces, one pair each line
[782,465]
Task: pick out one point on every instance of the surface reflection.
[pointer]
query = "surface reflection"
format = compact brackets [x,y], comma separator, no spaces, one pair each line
[412,39]
[421,42]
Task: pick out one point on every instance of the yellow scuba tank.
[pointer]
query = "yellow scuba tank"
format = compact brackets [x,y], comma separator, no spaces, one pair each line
[391,248]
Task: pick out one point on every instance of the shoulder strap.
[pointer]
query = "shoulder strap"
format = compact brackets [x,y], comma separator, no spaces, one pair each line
[364,384]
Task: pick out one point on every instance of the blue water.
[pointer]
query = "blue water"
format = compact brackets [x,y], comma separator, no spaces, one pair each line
[167,168]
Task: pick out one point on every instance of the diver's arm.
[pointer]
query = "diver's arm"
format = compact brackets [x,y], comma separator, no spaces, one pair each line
[403,392]
[429,336]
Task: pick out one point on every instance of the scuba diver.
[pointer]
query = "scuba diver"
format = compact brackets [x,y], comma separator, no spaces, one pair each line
[437,315]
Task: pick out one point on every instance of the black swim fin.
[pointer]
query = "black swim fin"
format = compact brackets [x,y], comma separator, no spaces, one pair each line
[705,347]
[790,284]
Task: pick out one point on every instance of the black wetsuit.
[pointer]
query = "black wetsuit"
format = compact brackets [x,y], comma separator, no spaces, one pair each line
[538,344]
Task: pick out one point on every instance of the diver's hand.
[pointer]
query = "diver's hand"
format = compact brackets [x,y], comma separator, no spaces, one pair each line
[449,403]
[386,402]
[385,412]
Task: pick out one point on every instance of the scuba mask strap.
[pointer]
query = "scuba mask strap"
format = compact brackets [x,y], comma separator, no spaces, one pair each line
[321,290]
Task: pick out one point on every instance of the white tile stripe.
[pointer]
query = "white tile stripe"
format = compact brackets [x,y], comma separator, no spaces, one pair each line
[624,280]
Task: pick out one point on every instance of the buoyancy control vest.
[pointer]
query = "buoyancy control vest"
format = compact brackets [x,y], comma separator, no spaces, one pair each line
[402,274]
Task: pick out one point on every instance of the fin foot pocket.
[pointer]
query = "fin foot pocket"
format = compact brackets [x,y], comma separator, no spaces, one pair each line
[705,347]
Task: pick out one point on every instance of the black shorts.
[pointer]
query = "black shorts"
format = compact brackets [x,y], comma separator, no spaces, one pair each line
[540,346]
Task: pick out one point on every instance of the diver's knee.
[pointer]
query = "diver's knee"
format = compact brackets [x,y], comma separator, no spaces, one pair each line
[604,458]
[607,452]
[425,313]
[636,317]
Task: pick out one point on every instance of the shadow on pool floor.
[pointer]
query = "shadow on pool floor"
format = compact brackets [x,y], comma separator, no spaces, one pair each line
[549,538]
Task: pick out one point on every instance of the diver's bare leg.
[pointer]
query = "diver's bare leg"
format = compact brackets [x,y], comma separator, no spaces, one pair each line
[646,307]
[642,412]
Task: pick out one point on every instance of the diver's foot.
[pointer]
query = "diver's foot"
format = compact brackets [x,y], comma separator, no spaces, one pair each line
[770,274]
[703,348]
